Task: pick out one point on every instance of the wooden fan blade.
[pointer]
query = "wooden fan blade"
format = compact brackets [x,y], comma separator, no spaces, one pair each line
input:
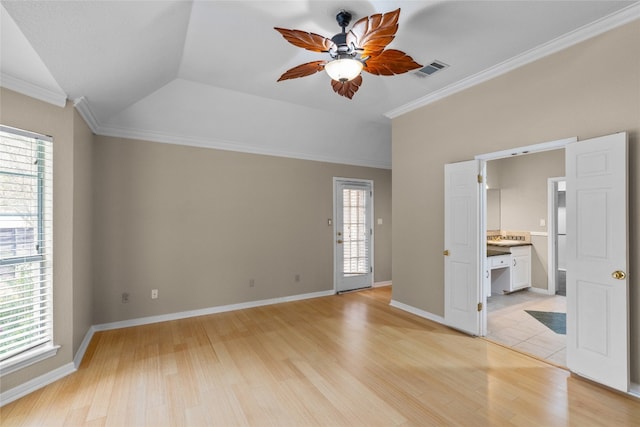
[390,62]
[303,70]
[306,40]
[372,34]
[347,89]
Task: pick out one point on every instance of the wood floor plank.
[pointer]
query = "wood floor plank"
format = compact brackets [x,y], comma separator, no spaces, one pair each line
[342,360]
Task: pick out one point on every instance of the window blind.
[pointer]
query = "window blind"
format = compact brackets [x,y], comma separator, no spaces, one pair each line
[25,241]
[356,232]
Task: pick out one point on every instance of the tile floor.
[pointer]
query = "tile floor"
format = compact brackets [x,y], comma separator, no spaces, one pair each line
[509,324]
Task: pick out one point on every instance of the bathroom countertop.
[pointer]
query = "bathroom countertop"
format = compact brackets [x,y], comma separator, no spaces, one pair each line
[507,243]
[503,249]
[493,252]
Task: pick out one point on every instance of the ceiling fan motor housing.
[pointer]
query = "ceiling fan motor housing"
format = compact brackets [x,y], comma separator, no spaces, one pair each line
[343,17]
[342,49]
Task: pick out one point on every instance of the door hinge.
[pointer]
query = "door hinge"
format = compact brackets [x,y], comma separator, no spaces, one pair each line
[479,306]
[371,231]
[371,269]
[479,179]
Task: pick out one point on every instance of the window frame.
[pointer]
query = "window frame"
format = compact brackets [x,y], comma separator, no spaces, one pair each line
[38,352]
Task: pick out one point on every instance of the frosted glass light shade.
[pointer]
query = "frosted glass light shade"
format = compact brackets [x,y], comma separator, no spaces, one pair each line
[343,70]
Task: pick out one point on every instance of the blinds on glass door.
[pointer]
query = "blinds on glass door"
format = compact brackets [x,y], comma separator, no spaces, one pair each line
[25,241]
[356,232]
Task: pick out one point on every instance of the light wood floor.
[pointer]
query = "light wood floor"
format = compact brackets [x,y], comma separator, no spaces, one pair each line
[341,360]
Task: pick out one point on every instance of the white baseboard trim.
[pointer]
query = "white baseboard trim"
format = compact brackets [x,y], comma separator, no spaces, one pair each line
[417,312]
[83,347]
[380,284]
[54,375]
[634,390]
[206,311]
[36,383]
[539,291]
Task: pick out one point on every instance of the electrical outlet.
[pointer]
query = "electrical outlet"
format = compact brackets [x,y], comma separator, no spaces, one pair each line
[297,278]
[154,294]
[252,283]
[125,297]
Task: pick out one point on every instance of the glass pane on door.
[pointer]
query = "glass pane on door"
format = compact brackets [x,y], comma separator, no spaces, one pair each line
[356,232]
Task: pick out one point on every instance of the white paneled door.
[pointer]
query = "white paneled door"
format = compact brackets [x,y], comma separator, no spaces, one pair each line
[597,260]
[462,267]
[353,234]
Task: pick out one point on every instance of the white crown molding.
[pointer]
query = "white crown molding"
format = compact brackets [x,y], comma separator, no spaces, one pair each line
[218,144]
[17,85]
[82,105]
[36,383]
[617,19]
[417,312]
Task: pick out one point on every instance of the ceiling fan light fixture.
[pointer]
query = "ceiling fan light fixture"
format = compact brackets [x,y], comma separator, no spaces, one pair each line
[344,69]
[364,44]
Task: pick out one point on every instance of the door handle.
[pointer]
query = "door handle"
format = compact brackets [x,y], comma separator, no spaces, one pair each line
[339,241]
[618,274]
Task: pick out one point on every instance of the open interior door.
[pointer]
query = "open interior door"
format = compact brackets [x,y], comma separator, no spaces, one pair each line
[597,260]
[462,266]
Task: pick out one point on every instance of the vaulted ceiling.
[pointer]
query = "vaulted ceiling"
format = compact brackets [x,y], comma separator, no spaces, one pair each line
[205,73]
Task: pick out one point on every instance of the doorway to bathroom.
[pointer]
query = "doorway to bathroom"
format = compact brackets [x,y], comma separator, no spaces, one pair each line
[523,237]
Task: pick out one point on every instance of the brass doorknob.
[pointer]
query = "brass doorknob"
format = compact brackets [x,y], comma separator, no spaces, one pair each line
[339,241]
[620,275]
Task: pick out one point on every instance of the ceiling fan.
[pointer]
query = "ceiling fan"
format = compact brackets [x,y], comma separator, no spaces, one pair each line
[360,49]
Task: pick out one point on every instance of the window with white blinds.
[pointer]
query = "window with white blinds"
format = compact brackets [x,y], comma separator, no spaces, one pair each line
[25,242]
[356,232]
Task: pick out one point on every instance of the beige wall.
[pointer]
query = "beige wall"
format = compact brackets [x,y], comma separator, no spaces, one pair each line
[72,297]
[522,181]
[82,230]
[588,90]
[197,224]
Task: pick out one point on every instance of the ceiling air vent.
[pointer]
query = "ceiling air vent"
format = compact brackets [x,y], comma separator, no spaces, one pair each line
[431,69]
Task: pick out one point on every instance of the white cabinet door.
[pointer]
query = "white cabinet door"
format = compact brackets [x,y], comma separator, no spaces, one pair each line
[520,267]
[597,259]
[462,265]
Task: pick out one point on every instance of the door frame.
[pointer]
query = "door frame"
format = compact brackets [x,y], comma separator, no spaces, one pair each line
[336,180]
[552,232]
[528,149]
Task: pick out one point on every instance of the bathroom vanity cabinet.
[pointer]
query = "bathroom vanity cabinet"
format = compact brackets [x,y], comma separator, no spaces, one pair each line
[508,268]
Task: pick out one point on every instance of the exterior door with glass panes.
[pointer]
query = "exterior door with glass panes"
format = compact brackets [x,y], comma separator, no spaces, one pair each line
[353,234]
